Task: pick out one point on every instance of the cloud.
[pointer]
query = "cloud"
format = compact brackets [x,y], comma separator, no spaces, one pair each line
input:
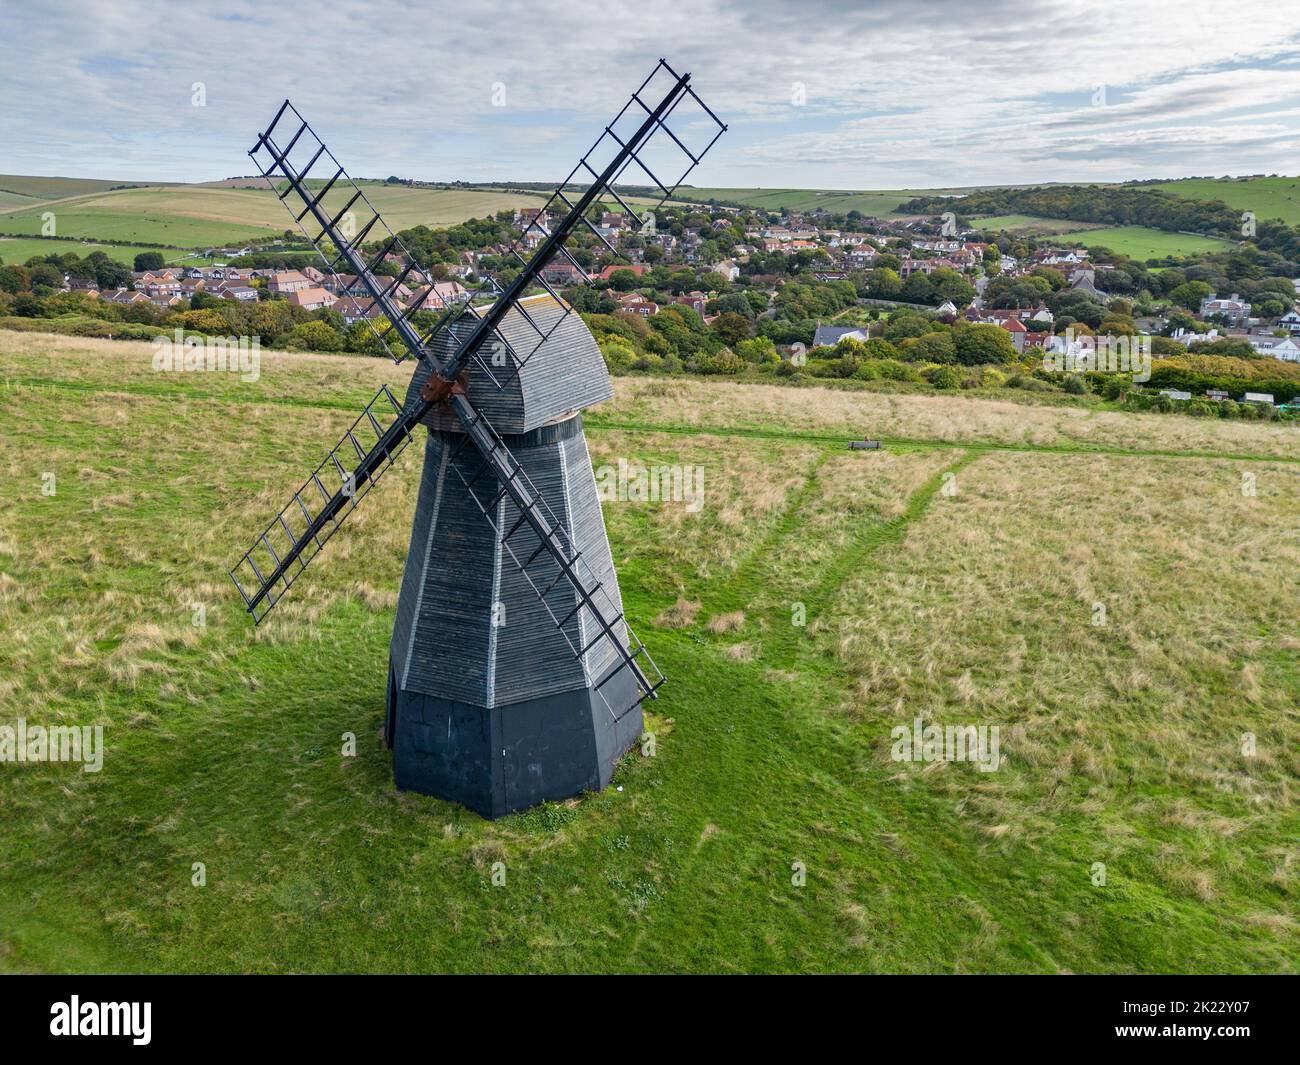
[819,93]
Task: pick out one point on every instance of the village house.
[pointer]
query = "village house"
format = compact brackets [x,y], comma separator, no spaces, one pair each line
[635,303]
[827,336]
[310,299]
[562,272]
[608,272]
[285,281]
[1284,348]
[1290,322]
[1234,309]
[696,301]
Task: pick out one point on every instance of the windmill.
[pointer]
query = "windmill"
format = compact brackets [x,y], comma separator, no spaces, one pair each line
[514,677]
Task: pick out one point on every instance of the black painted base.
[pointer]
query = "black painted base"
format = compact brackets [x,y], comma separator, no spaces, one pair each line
[502,759]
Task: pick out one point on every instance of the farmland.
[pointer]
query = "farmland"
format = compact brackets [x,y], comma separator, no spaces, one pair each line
[953,576]
[28,188]
[191,216]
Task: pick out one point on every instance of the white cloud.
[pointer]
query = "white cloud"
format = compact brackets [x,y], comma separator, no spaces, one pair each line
[911,94]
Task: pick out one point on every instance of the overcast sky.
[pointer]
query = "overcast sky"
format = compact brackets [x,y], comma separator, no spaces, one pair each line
[818,93]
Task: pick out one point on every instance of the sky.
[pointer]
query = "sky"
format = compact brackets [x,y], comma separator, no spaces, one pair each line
[816,93]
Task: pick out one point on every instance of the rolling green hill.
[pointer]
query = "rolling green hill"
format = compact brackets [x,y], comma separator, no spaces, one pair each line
[192,216]
[878,203]
[1268,197]
[55,188]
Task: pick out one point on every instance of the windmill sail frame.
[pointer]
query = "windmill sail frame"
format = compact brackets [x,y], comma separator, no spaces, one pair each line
[301,530]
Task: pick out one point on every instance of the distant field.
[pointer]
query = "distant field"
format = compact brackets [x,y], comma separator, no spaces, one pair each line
[53,188]
[184,216]
[1031,226]
[1139,242]
[840,201]
[20,249]
[16,199]
[191,216]
[1269,197]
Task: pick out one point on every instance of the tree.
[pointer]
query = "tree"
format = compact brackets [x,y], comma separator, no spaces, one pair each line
[948,284]
[111,275]
[624,280]
[150,260]
[978,344]
[731,328]
[316,336]
[906,324]
[760,350]
[875,348]
[933,347]
[1191,294]
[917,289]
[13,279]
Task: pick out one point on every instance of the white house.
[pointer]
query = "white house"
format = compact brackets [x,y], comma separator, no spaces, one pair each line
[1284,348]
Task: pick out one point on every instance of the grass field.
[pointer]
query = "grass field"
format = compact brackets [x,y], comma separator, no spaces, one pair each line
[1031,225]
[20,249]
[54,188]
[877,203]
[191,216]
[1140,242]
[1268,197]
[953,576]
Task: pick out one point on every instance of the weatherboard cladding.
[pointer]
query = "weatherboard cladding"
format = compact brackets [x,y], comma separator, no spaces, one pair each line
[567,374]
[444,643]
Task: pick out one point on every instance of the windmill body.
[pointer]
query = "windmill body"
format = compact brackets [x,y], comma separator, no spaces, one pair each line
[488,705]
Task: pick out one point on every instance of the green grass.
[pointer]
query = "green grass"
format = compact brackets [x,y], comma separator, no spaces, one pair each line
[877,203]
[54,188]
[772,738]
[1268,197]
[190,216]
[1141,242]
[20,249]
[1030,225]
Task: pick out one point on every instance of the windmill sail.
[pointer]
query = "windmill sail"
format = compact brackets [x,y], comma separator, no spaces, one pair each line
[300,529]
[647,145]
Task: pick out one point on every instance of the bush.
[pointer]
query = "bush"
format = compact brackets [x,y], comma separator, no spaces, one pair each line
[933,347]
[1117,387]
[893,370]
[1027,383]
[1075,385]
[648,363]
[725,361]
[943,377]
[618,352]
[314,336]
